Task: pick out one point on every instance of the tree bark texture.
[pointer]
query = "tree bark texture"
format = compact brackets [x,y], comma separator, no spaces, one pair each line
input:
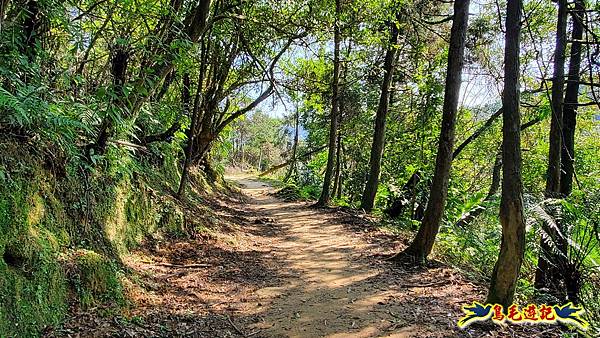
[558,82]
[512,247]
[368,197]
[571,101]
[422,244]
[548,272]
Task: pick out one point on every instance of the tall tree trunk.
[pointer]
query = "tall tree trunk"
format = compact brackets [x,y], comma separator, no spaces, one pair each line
[294,146]
[548,270]
[243,161]
[198,112]
[338,159]
[512,248]
[558,82]
[195,23]
[571,101]
[421,246]
[368,197]
[335,107]
[338,192]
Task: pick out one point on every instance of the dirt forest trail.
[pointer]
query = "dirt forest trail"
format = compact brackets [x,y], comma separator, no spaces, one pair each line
[285,270]
[333,289]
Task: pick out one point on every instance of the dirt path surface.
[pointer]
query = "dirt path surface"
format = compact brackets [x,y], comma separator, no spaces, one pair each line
[284,270]
[335,290]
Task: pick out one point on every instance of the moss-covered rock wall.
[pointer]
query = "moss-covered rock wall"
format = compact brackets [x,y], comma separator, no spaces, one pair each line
[63,231]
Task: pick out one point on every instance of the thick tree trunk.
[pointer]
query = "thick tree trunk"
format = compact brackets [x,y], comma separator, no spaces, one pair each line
[571,101]
[196,151]
[512,248]
[368,197]
[421,246]
[548,271]
[335,107]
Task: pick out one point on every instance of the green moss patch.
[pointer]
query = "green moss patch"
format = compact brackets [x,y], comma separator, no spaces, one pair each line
[33,292]
[93,277]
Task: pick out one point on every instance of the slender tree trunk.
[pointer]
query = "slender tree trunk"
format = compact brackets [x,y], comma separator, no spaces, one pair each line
[338,192]
[198,112]
[335,107]
[92,42]
[186,107]
[191,132]
[368,197]
[558,81]
[571,101]
[195,23]
[512,248]
[476,134]
[243,162]
[421,246]
[294,146]
[338,153]
[548,270]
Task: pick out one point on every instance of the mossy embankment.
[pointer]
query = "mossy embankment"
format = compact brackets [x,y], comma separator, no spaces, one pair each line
[65,224]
